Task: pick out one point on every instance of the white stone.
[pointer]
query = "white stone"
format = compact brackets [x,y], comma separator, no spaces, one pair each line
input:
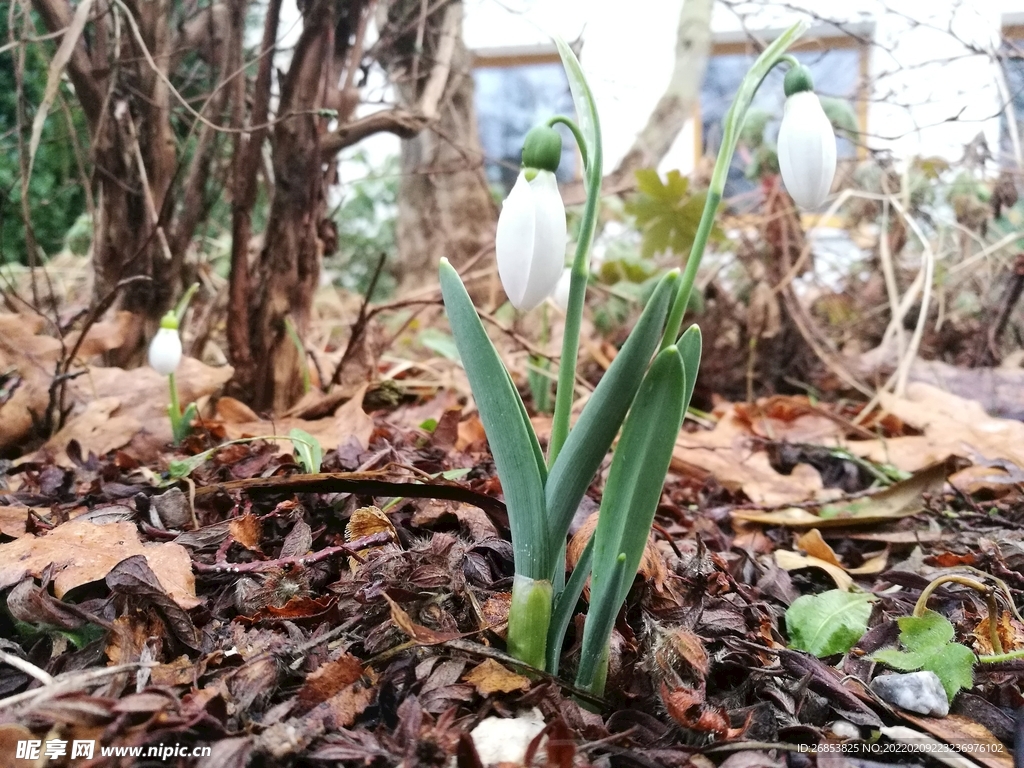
[920,692]
[505,739]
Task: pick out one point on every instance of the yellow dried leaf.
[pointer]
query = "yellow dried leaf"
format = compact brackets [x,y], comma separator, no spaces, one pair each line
[491,677]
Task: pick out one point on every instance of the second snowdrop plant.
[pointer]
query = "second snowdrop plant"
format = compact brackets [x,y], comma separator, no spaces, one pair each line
[165,356]
[641,398]
[807,142]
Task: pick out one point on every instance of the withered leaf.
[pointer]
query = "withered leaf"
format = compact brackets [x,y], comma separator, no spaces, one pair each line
[491,677]
[133,577]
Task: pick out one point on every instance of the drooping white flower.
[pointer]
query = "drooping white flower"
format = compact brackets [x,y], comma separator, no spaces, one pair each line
[165,349]
[807,143]
[530,242]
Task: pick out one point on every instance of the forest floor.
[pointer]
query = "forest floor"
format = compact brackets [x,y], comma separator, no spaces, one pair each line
[233,595]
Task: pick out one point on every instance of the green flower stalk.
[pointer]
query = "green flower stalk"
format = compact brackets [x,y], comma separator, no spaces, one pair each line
[773,55]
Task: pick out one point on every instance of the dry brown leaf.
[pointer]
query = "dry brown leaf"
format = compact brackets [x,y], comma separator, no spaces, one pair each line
[12,519]
[814,545]
[367,521]
[791,561]
[491,677]
[103,336]
[902,499]
[84,551]
[475,522]
[952,426]
[417,632]
[350,420]
[495,612]
[726,453]
[246,531]
[652,567]
[1010,631]
[471,432]
[690,648]
[180,671]
[959,730]
[328,680]
[349,703]
[116,406]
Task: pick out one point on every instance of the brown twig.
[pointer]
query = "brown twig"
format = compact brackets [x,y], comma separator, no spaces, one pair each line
[262,566]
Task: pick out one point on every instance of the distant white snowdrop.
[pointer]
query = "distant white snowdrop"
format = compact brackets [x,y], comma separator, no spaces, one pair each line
[165,348]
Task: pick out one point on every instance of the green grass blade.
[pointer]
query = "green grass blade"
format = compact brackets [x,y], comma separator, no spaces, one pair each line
[511,439]
[597,426]
[631,496]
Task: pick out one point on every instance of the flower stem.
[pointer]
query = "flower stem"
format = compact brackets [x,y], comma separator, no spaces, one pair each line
[592,158]
[733,125]
[174,409]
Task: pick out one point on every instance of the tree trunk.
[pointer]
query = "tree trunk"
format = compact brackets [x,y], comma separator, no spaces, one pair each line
[127,104]
[681,97]
[289,265]
[445,206]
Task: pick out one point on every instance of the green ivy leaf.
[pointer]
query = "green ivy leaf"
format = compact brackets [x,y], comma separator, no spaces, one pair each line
[667,213]
[929,645]
[828,623]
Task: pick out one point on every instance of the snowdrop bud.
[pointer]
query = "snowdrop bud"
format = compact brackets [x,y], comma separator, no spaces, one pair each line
[530,242]
[807,142]
[560,296]
[165,348]
[542,148]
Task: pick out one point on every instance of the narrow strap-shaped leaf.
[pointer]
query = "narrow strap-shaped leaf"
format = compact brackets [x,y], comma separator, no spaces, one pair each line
[598,629]
[565,602]
[542,466]
[632,492]
[602,416]
[689,345]
[583,100]
[509,435]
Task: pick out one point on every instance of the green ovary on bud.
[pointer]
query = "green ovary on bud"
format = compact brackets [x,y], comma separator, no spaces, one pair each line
[798,79]
[528,619]
[542,149]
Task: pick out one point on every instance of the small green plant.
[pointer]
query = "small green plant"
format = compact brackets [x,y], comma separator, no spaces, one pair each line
[829,623]
[928,640]
[307,450]
[164,358]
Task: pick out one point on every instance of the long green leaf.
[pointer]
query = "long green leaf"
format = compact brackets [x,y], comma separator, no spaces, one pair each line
[689,345]
[631,498]
[565,603]
[582,98]
[510,438]
[602,416]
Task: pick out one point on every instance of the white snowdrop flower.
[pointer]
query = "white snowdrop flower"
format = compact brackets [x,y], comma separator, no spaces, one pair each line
[530,241]
[807,143]
[165,348]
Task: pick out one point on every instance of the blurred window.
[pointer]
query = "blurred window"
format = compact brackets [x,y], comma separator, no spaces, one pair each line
[516,90]
[1011,56]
